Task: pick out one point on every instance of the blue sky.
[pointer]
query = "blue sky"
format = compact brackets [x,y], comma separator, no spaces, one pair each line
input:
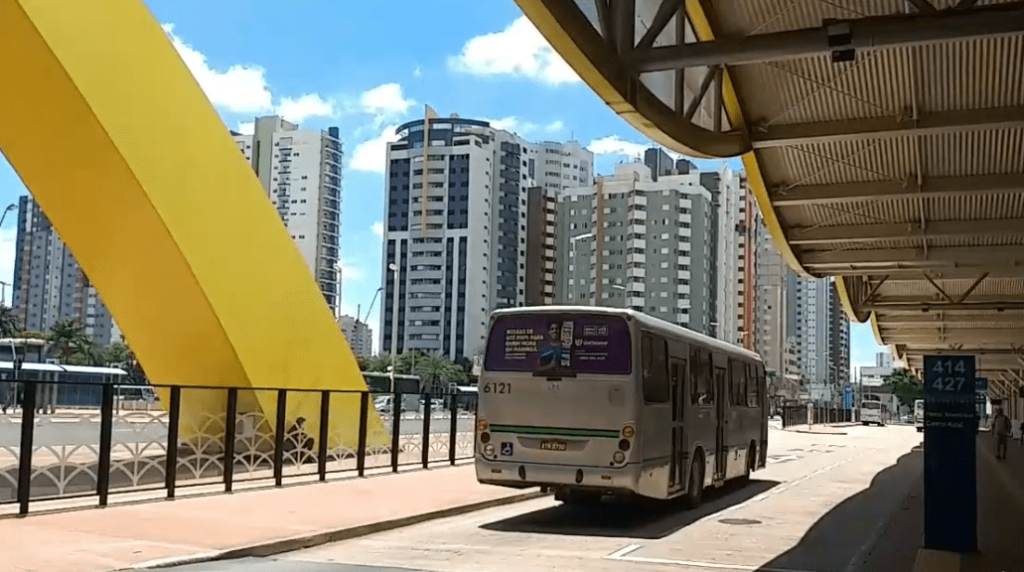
[329,63]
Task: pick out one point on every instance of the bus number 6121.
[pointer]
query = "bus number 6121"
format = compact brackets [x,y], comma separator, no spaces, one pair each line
[500,387]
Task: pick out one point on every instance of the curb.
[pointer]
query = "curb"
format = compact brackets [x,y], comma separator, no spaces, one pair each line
[280,545]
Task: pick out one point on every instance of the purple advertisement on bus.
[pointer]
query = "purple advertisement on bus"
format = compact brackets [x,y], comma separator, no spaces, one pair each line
[559,344]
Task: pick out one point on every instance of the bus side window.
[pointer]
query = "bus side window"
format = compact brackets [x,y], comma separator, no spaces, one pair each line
[737,383]
[700,381]
[654,350]
[755,380]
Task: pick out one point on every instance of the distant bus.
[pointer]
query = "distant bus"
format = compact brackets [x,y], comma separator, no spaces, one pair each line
[873,412]
[919,415]
[592,401]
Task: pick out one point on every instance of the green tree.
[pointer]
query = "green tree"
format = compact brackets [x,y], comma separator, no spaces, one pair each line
[377,364]
[904,386]
[435,370]
[68,340]
[8,323]
[67,337]
[116,353]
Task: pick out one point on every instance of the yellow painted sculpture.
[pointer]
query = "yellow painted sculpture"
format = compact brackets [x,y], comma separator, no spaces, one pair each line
[117,142]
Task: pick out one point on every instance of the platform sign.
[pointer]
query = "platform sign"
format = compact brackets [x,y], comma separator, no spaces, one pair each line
[981,385]
[950,430]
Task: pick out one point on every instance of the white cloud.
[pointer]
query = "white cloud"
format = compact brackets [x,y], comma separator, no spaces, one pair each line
[385,100]
[378,229]
[513,124]
[519,50]
[554,127]
[238,89]
[246,127]
[417,72]
[371,156]
[350,272]
[243,88]
[310,105]
[613,145]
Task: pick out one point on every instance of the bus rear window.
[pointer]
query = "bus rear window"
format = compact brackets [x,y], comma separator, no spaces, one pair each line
[871,405]
[562,344]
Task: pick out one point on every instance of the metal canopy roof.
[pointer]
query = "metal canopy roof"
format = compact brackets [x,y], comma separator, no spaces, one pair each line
[883,139]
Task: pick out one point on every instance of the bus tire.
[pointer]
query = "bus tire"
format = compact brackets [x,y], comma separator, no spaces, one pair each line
[695,486]
[751,461]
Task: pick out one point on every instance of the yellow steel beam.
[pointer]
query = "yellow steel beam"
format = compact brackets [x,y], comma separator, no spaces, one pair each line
[118,144]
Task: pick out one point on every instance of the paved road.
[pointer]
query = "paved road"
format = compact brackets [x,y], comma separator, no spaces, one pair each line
[819,506]
[71,431]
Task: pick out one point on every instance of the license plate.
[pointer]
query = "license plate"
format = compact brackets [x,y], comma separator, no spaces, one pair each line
[553,445]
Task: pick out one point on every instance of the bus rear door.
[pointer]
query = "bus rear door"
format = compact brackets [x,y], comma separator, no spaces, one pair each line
[680,446]
[721,419]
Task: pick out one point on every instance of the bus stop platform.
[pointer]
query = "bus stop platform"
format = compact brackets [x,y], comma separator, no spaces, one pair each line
[249,523]
[1000,493]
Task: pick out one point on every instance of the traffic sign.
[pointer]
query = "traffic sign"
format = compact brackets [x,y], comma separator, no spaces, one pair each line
[950,481]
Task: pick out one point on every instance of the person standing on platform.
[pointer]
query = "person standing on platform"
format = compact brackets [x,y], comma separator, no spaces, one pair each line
[1002,428]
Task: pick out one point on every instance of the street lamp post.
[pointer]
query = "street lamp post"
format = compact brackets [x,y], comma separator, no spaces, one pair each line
[623,288]
[571,278]
[394,322]
[337,300]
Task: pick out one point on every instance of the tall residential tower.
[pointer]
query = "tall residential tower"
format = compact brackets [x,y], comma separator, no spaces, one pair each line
[49,285]
[456,229]
[300,170]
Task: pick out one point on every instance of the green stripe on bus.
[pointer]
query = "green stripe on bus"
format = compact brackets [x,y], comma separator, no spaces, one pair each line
[604,433]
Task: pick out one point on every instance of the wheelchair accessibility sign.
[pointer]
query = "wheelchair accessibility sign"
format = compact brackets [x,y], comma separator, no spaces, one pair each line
[506,449]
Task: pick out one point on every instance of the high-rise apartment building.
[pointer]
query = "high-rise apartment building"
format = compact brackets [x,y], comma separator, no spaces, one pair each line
[358,334]
[456,229]
[666,248]
[49,285]
[822,338]
[300,169]
[541,249]
[801,318]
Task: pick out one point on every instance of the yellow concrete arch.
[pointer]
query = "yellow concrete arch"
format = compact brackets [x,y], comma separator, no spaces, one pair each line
[117,142]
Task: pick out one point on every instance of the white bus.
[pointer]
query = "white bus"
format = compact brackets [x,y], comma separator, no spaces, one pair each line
[919,415]
[873,411]
[592,401]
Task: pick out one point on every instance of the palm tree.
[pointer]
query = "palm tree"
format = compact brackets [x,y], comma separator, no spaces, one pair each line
[67,338]
[8,323]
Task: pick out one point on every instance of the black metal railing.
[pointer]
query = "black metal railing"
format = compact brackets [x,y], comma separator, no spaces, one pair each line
[188,436]
[798,415]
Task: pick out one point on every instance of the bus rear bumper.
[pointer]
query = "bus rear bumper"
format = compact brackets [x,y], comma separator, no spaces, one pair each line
[524,475]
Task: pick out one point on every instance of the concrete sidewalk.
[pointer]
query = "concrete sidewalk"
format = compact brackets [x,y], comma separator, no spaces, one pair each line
[256,522]
[1000,504]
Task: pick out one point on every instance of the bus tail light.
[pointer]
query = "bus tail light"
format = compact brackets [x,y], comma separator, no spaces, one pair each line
[628,432]
[481,425]
[485,438]
[624,445]
[489,450]
[619,457]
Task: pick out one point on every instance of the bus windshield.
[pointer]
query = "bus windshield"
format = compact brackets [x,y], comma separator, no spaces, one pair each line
[871,405]
[559,344]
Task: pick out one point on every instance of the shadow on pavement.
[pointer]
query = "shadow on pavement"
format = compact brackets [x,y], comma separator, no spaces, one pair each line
[842,539]
[629,519]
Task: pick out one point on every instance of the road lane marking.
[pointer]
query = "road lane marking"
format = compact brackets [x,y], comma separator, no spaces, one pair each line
[623,555]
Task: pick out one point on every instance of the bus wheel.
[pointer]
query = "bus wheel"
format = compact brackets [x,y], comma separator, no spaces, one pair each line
[751,461]
[695,488]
